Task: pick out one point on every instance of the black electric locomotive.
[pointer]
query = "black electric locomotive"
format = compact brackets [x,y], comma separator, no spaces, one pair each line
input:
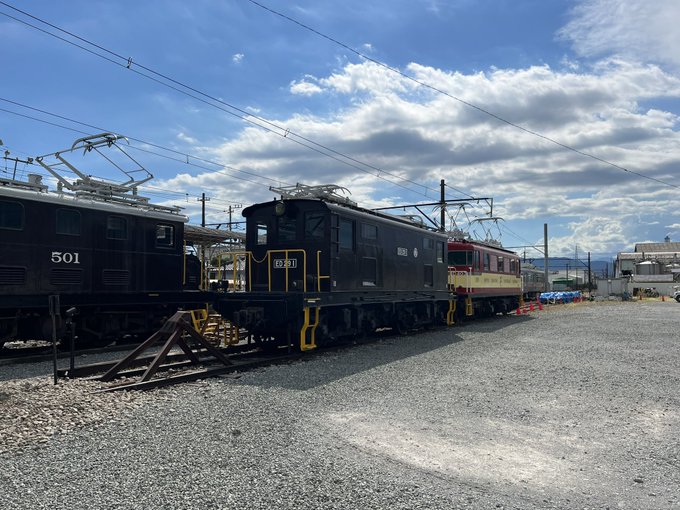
[103,250]
[320,268]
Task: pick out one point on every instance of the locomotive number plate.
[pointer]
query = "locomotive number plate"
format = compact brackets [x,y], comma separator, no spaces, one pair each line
[283,263]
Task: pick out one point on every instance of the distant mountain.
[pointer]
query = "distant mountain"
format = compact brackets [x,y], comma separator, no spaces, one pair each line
[560,264]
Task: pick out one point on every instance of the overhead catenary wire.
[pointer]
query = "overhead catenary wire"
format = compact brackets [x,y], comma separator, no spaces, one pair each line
[146,187]
[456,98]
[128,63]
[186,157]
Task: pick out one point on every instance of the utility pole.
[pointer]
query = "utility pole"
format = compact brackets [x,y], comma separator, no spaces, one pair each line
[545,257]
[590,279]
[231,210]
[442,198]
[203,200]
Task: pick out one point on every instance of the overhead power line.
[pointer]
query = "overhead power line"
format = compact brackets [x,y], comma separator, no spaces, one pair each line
[130,64]
[462,101]
[186,158]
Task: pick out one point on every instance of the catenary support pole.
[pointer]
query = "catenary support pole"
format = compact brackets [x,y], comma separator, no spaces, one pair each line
[545,259]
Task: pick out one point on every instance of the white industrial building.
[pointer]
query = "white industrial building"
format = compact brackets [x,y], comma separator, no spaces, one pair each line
[650,266]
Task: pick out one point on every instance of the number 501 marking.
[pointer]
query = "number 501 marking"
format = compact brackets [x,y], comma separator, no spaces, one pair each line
[65,257]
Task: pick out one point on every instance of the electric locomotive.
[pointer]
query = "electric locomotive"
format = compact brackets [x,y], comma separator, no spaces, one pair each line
[319,268]
[102,249]
[485,277]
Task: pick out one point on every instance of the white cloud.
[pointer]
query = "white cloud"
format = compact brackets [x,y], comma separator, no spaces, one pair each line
[186,138]
[637,29]
[403,130]
[237,58]
[304,88]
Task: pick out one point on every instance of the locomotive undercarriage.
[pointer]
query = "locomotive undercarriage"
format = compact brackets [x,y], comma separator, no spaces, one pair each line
[131,318]
[469,307]
[93,327]
[278,322]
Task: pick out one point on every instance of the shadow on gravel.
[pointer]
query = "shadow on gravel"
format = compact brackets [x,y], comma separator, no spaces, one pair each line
[326,367]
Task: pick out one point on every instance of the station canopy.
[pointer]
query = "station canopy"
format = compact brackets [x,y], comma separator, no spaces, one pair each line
[204,236]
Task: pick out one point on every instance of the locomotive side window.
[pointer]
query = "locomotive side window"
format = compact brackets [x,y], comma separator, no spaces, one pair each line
[428,244]
[68,222]
[315,223]
[440,252]
[369,232]
[116,227]
[346,234]
[11,215]
[487,262]
[261,229]
[475,261]
[494,263]
[287,228]
[165,236]
[501,265]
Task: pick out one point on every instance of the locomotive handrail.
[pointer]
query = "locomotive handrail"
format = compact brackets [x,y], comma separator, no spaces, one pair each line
[286,258]
[467,279]
[268,259]
[249,256]
[318,271]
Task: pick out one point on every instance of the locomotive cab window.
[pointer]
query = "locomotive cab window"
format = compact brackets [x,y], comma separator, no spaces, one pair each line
[11,215]
[287,228]
[440,252]
[460,258]
[116,228]
[261,229]
[165,236]
[68,222]
[315,225]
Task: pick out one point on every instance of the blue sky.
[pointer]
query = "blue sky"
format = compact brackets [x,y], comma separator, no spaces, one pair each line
[597,76]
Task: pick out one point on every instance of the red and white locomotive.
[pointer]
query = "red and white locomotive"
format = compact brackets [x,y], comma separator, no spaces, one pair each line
[485,277]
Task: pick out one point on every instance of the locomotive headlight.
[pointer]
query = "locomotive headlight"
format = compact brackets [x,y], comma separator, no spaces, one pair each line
[280,209]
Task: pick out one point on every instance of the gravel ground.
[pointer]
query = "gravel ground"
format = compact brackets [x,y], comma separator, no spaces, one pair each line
[574,407]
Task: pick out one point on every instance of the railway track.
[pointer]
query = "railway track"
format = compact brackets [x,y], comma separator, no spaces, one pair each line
[42,353]
[179,368]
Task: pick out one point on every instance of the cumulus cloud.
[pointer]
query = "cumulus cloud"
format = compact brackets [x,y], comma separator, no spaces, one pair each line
[237,58]
[636,29]
[392,140]
[304,88]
